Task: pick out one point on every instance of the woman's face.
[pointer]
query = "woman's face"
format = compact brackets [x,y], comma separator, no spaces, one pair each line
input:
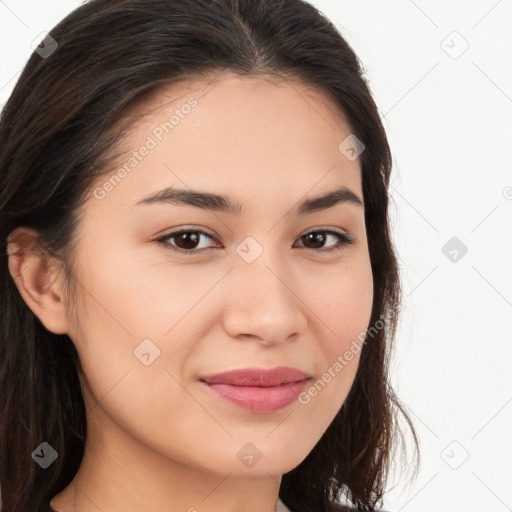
[258,293]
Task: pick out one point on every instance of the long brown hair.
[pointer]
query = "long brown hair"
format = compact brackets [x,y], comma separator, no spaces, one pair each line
[57,134]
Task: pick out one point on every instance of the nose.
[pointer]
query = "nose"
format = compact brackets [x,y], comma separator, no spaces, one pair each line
[265,303]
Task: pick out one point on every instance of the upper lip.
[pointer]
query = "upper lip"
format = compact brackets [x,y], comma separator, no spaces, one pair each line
[257,376]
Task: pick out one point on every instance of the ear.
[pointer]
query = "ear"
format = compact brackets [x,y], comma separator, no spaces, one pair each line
[32,270]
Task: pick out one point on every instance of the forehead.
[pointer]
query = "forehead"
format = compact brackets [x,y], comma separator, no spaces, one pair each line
[260,136]
[231,91]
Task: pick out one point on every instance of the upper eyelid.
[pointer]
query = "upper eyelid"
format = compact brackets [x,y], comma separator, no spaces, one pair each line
[178,231]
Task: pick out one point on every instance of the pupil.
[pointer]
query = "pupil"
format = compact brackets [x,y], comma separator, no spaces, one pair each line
[188,238]
[319,236]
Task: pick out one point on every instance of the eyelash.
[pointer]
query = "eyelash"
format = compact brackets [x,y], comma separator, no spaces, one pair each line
[344,240]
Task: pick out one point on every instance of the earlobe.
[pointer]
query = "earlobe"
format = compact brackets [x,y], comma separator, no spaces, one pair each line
[31,270]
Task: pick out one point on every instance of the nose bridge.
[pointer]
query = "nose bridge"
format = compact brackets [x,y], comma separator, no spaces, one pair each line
[264,267]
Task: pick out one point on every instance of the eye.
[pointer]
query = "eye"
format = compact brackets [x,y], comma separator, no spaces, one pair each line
[185,237]
[320,236]
[190,237]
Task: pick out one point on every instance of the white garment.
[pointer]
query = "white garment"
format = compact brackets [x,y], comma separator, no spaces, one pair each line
[281,507]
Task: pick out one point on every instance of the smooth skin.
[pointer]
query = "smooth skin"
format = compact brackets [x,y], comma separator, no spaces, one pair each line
[157,440]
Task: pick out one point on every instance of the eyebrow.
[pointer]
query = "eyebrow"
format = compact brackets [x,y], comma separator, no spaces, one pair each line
[224,204]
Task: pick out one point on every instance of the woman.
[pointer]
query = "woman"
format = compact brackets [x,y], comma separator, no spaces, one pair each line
[200,289]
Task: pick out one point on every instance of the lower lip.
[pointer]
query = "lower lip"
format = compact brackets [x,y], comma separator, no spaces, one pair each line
[259,399]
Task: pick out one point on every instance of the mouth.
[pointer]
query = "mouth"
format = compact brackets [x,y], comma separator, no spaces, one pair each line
[258,389]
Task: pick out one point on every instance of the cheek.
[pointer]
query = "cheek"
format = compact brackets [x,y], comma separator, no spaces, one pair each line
[342,303]
[123,314]
[139,295]
[342,300]
[145,400]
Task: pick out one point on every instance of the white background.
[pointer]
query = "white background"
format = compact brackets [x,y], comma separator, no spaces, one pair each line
[448,114]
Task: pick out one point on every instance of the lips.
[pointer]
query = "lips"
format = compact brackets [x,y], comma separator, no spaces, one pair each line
[260,377]
[258,389]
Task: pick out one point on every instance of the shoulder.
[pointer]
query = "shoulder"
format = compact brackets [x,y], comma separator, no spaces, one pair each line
[338,507]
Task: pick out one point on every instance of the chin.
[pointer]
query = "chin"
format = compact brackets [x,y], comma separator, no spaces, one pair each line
[260,462]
